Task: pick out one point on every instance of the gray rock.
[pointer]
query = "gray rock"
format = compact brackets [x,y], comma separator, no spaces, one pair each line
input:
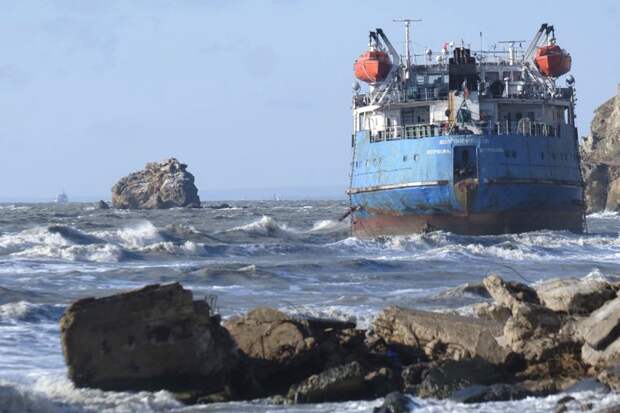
[601,358]
[160,185]
[441,335]
[396,402]
[494,393]
[600,153]
[153,338]
[602,327]
[102,204]
[611,377]
[575,296]
[448,376]
[587,384]
[340,383]
[491,311]
[509,293]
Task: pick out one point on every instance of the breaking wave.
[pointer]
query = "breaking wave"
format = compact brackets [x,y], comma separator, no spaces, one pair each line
[266,226]
[24,311]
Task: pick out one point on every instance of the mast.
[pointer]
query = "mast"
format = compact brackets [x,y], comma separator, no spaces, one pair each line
[407,42]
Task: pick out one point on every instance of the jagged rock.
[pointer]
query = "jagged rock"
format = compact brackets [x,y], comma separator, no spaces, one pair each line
[165,184]
[596,184]
[602,327]
[278,350]
[575,296]
[340,383]
[611,377]
[509,293]
[600,153]
[609,356]
[494,393]
[532,329]
[396,402]
[441,335]
[102,204]
[153,338]
[448,376]
[491,311]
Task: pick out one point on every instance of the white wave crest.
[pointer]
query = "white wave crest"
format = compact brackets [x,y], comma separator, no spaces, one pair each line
[265,226]
[91,253]
[135,236]
[329,225]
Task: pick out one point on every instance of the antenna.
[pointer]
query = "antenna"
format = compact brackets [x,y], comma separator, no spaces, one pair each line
[512,54]
[407,40]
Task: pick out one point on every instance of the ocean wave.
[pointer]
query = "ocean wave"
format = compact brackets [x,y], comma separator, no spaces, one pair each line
[329,226]
[103,253]
[266,226]
[24,311]
[135,236]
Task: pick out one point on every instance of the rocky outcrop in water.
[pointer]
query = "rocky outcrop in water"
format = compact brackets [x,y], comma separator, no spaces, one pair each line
[526,342]
[601,158]
[159,185]
[153,338]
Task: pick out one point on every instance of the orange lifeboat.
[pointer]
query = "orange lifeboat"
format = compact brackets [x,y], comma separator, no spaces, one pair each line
[372,66]
[552,61]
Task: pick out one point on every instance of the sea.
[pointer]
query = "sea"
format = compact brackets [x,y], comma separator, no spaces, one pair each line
[294,256]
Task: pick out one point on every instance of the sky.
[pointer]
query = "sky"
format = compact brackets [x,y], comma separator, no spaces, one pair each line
[250,94]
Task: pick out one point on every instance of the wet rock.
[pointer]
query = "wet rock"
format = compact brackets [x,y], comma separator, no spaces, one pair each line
[448,376]
[602,327]
[396,402]
[575,296]
[223,205]
[441,335]
[412,375]
[166,184]
[102,204]
[611,377]
[153,338]
[336,384]
[493,393]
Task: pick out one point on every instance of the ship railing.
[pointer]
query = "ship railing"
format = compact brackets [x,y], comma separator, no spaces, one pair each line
[524,127]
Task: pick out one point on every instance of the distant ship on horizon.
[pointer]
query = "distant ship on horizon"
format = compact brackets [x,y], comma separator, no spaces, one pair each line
[61,198]
[469,142]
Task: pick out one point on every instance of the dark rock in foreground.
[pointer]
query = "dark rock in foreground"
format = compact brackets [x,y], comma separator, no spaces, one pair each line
[160,185]
[153,338]
[527,342]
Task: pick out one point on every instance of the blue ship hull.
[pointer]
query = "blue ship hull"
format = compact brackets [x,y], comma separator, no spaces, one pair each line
[468,184]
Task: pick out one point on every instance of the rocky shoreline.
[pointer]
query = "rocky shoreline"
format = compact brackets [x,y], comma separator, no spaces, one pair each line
[524,342]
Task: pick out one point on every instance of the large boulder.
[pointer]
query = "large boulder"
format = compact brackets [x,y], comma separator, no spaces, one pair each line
[446,377]
[600,154]
[340,383]
[154,338]
[601,335]
[575,296]
[278,350]
[532,329]
[441,335]
[159,185]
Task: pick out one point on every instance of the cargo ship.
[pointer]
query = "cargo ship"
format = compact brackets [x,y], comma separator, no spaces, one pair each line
[471,142]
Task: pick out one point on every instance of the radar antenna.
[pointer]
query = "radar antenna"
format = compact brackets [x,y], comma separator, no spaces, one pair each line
[407,38]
